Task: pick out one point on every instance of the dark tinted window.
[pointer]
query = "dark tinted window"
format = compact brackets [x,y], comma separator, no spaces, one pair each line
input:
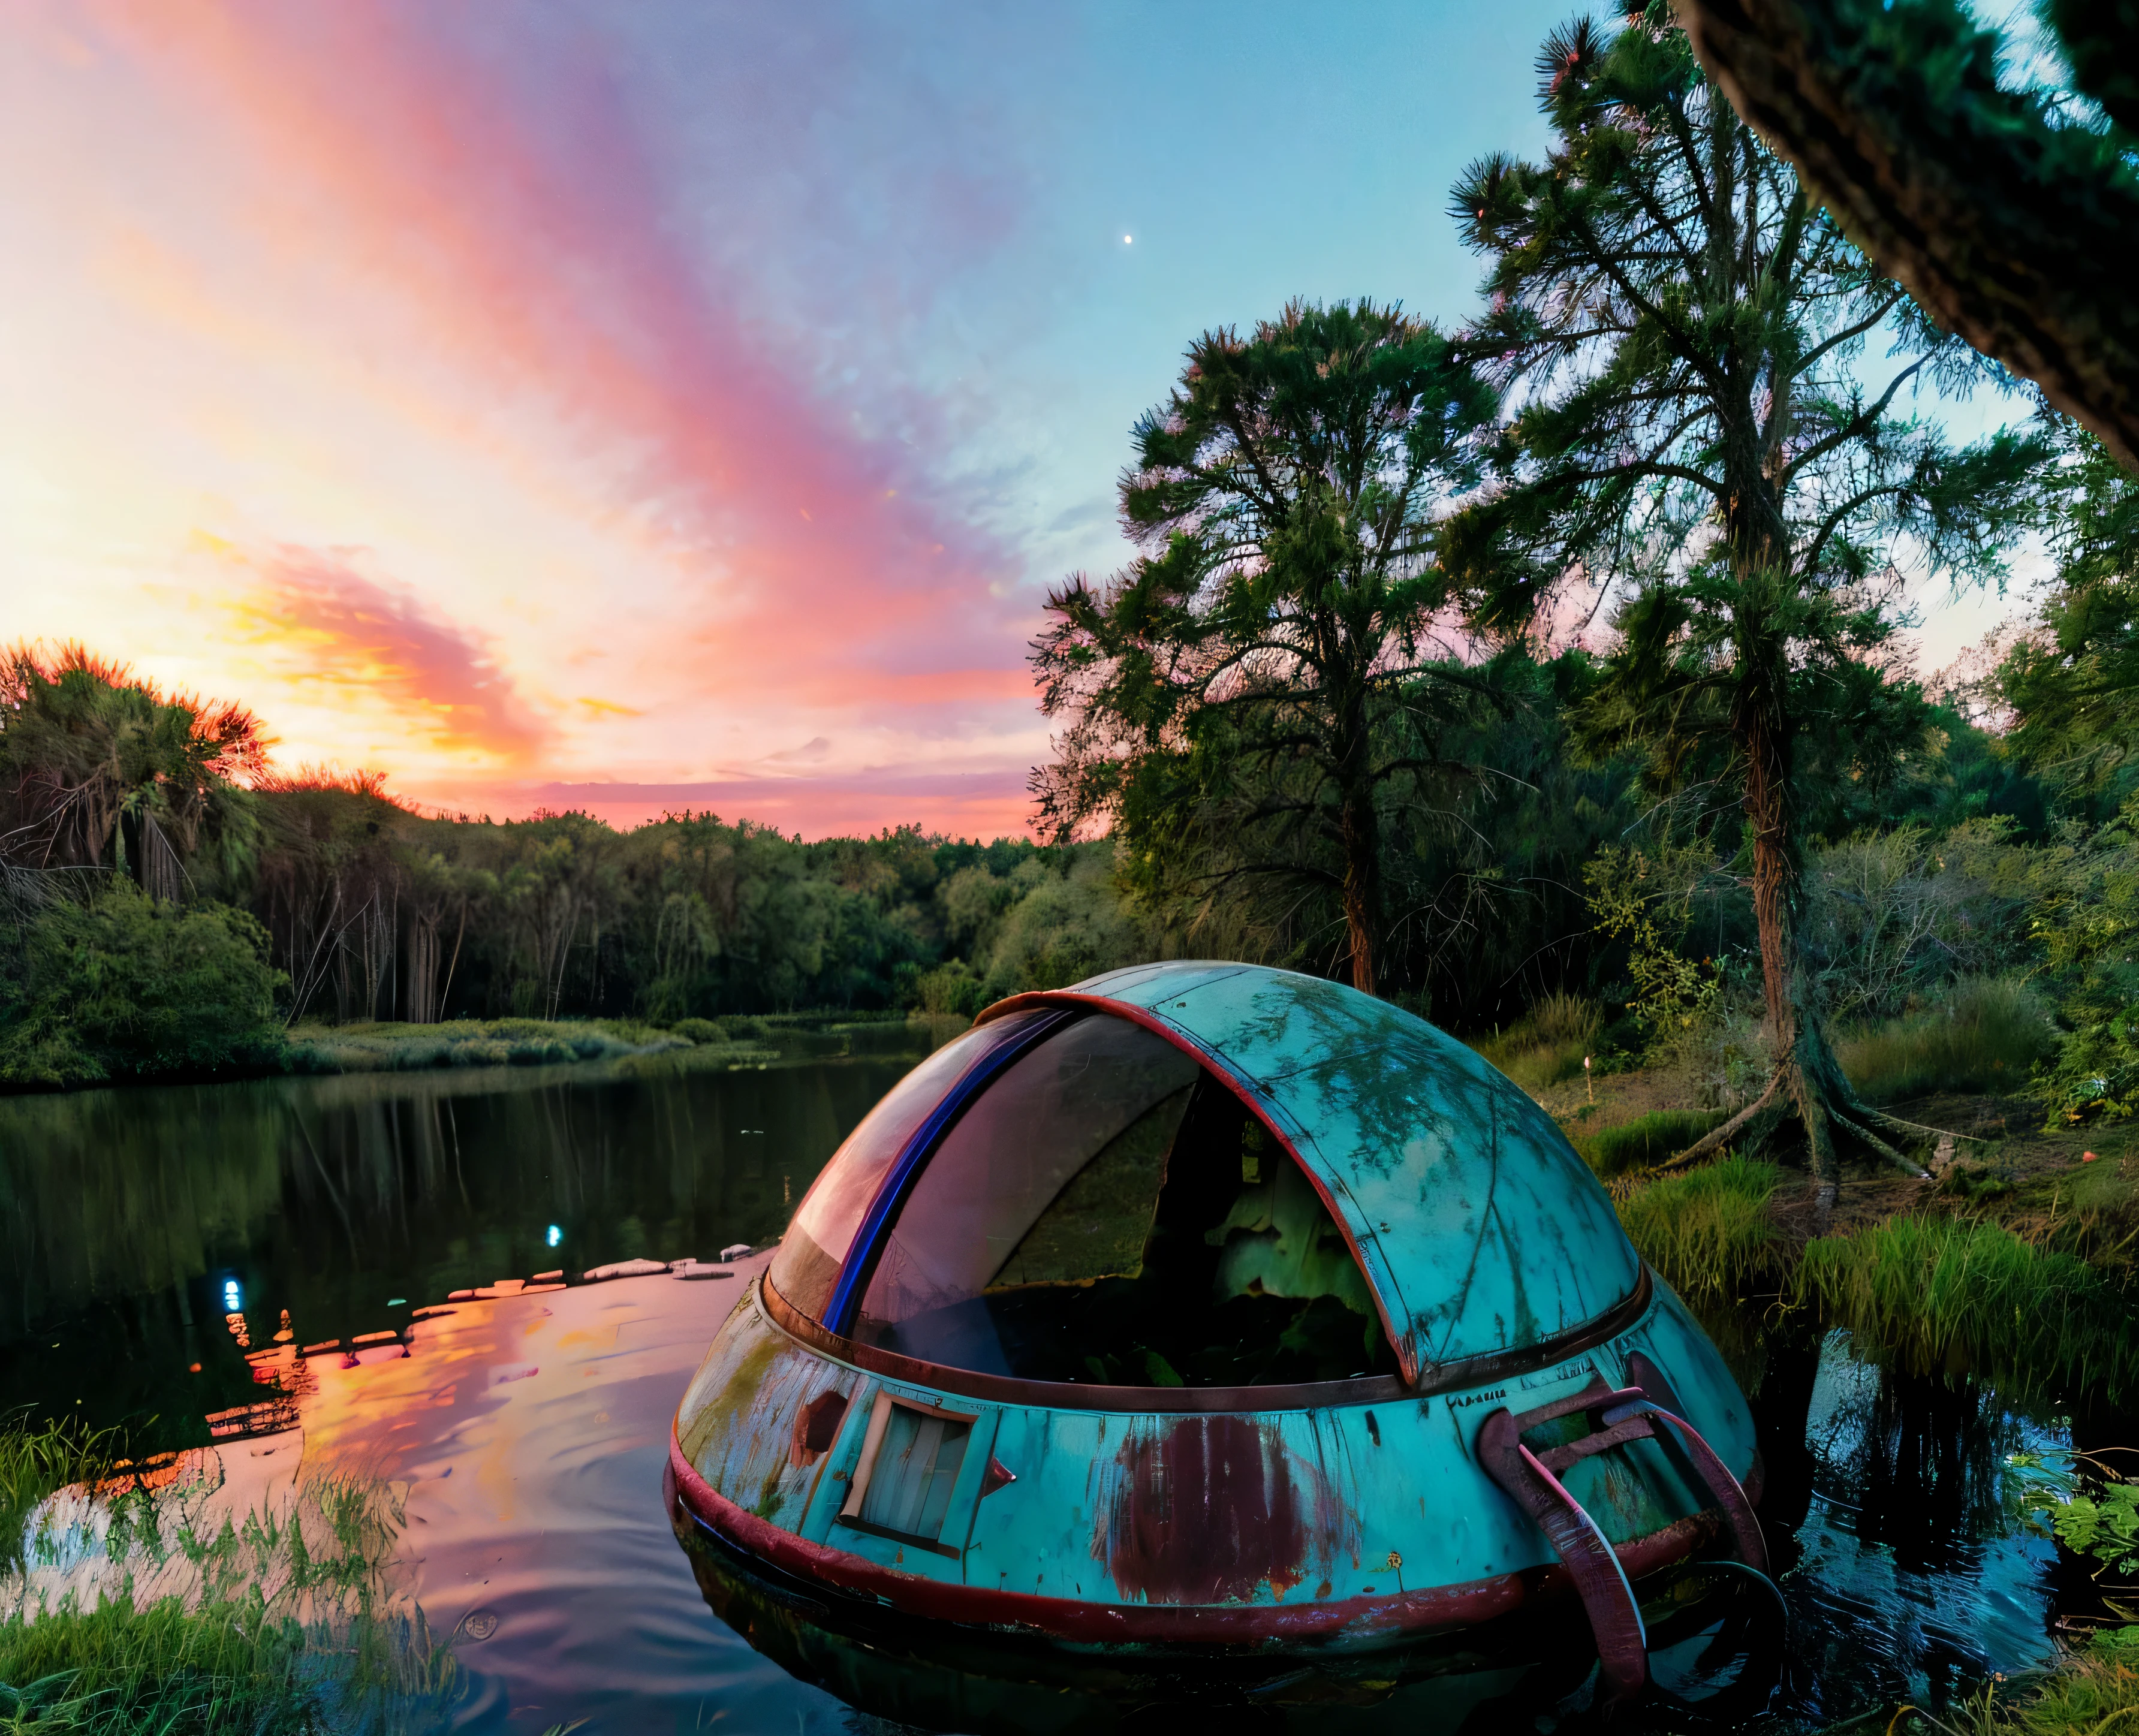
[1106,1211]
[808,1265]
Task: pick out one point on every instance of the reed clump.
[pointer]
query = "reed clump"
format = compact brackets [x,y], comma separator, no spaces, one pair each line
[1987,1033]
[1945,1295]
[1548,1045]
[36,1462]
[1709,1234]
[129,1609]
[1646,1140]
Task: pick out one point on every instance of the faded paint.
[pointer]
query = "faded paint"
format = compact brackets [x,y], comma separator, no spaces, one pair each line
[1344,1526]
[1211,1509]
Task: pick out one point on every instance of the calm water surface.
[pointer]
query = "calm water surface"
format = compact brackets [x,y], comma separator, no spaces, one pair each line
[531,1430]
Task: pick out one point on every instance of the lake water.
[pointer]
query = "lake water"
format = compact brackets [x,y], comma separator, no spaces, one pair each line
[146,1230]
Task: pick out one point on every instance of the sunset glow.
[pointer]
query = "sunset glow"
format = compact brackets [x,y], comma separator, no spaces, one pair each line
[649,406]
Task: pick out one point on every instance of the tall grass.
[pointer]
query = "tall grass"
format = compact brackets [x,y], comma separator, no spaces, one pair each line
[1940,1295]
[1647,1140]
[38,1462]
[1986,1035]
[476,1043]
[1547,1045]
[1709,1233]
[130,1611]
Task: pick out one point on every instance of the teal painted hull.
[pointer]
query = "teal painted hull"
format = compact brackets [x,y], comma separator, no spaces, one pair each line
[1339,1526]
[1209,1308]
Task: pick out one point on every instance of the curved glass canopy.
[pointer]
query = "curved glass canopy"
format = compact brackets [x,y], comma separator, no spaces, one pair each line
[1204,1175]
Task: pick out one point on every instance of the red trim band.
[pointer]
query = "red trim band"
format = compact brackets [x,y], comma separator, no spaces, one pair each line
[1363,1622]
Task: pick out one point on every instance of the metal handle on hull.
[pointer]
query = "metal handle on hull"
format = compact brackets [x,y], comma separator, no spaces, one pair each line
[1648,1409]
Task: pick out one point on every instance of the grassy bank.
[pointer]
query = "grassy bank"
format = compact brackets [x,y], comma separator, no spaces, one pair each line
[127,1607]
[1710,1234]
[1947,1295]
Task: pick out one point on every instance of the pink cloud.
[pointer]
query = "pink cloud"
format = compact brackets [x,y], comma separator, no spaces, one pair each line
[523,212]
[380,645]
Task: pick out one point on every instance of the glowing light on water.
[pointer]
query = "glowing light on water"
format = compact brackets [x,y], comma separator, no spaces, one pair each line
[555,1236]
[233,1299]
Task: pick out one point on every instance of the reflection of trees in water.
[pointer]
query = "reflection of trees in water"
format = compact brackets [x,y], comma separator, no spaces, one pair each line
[1919,1460]
[121,1211]
[1911,1581]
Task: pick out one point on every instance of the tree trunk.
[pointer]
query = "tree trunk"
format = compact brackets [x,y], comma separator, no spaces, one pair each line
[1807,1078]
[1362,840]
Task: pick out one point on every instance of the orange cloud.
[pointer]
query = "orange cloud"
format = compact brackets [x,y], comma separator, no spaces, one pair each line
[517,206]
[381,648]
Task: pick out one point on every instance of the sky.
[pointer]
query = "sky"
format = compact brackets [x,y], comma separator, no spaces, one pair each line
[643,407]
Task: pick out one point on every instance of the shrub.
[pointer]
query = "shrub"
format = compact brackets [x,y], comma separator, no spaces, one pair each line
[1648,1140]
[123,985]
[950,988]
[1989,1033]
[699,1030]
[1547,1045]
[1709,1233]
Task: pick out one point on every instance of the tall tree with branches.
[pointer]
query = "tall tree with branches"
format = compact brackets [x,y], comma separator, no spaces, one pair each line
[1260,674]
[1703,440]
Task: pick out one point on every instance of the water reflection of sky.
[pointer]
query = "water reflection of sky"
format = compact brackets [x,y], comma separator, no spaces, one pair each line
[1914,1579]
[531,1430]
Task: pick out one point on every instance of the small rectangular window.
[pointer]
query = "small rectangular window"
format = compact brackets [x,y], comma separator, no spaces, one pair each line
[909,1465]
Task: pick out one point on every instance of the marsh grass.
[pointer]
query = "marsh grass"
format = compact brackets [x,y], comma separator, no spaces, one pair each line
[1709,1234]
[1548,1045]
[36,1462]
[480,1043]
[1945,1295]
[2093,1692]
[1648,1140]
[1987,1035]
[130,1610]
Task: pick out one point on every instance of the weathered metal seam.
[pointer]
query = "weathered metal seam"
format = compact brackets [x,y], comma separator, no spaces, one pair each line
[1621,1318]
[1401,1615]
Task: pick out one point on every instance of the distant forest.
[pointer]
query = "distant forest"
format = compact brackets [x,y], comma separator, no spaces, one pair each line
[167,889]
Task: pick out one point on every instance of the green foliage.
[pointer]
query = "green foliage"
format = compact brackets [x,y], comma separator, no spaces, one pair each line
[279,1622]
[1547,1045]
[100,769]
[1940,1295]
[1709,1233]
[35,1461]
[1982,1033]
[125,986]
[491,1043]
[2105,1528]
[1241,700]
[1646,905]
[1646,1140]
[2073,685]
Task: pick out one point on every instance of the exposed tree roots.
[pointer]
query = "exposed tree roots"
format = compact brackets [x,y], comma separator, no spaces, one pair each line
[1809,1083]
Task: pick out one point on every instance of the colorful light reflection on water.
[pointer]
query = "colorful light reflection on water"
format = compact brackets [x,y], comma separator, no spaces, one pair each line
[530,1424]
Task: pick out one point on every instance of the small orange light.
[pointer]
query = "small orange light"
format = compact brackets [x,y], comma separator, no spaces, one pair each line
[2086,1157]
[193,1368]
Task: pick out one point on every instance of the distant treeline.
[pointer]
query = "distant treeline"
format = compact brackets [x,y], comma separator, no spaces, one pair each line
[172,905]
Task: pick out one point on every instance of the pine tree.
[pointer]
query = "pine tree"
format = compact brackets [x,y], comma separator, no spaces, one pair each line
[1686,333]
[1262,667]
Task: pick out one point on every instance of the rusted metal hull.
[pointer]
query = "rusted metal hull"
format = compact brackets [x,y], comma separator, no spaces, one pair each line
[1324,1529]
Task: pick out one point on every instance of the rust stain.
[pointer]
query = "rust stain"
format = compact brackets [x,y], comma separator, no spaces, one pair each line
[816,1424]
[1207,1510]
